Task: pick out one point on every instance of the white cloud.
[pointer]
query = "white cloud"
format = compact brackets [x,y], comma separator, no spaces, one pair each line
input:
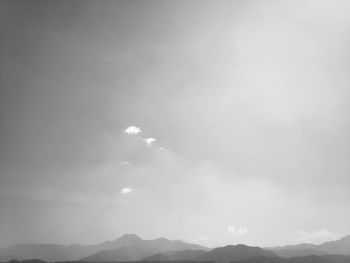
[124,163]
[316,237]
[132,130]
[149,141]
[236,230]
[126,190]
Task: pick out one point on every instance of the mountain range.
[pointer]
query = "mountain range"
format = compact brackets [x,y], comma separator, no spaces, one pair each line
[338,247]
[130,247]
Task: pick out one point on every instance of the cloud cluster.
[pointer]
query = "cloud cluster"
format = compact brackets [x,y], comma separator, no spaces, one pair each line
[236,231]
[316,237]
[132,130]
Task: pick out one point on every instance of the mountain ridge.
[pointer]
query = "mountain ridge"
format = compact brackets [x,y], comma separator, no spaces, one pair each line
[335,247]
[55,252]
[131,247]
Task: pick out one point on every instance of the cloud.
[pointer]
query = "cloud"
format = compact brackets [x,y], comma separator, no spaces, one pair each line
[124,163]
[316,237]
[149,141]
[126,190]
[132,130]
[236,230]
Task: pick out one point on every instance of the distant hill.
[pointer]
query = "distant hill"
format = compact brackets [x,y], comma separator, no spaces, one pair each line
[47,252]
[234,253]
[136,248]
[221,254]
[308,259]
[50,252]
[184,255]
[119,254]
[338,247]
[289,252]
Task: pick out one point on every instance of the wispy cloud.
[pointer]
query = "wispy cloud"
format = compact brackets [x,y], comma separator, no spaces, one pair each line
[316,237]
[236,230]
[132,130]
[126,190]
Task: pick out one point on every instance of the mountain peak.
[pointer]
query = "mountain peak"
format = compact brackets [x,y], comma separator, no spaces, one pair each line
[130,237]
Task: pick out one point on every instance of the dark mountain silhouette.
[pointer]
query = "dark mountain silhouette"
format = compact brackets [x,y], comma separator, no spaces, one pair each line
[49,252]
[234,253]
[183,255]
[221,254]
[338,247]
[7,258]
[308,259]
[288,253]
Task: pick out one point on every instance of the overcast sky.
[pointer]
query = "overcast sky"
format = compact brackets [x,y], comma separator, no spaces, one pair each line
[214,122]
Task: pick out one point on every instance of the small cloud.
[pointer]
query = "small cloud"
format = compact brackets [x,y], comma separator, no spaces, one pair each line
[124,163]
[235,231]
[316,237]
[149,141]
[126,190]
[132,130]
[161,148]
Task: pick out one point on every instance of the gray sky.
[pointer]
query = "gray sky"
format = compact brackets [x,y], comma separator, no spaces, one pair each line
[247,103]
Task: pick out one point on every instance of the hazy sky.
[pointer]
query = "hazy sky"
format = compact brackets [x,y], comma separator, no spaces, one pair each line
[215,122]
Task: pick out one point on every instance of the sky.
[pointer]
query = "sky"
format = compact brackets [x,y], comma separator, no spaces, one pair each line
[213,122]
